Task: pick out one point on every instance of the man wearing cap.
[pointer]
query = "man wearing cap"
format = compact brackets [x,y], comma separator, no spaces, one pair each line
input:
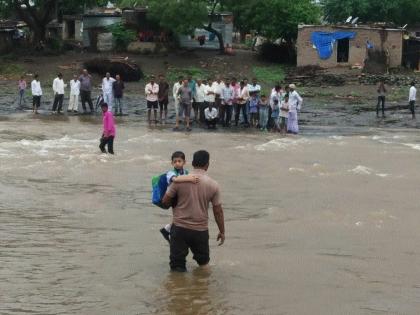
[295,103]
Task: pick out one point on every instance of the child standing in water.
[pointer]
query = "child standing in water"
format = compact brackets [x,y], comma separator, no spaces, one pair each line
[108,134]
[177,175]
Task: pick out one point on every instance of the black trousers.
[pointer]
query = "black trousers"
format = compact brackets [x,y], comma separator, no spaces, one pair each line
[412,106]
[86,97]
[238,109]
[228,114]
[381,101]
[36,101]
[211,123]
[58,101]
[107,141]
[182,240]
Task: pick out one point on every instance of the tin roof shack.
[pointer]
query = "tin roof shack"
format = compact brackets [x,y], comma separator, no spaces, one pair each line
[95,33]
[350,45]
[201,38]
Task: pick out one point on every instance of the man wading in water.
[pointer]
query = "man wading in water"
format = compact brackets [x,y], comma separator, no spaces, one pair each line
[190,215]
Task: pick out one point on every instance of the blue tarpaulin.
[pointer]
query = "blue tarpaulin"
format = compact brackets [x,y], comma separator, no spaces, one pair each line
[324,41]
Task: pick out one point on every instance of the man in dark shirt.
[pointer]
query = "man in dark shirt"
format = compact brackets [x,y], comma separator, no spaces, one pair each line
[163,98]
[86,90]
[118,90]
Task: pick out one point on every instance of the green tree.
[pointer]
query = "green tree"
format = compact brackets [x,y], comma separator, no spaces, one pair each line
[183,16]
[396,11]
[273,18]
[38,13]
[280,18]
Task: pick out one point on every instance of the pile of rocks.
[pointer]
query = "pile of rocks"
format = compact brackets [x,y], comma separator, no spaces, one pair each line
[398,80]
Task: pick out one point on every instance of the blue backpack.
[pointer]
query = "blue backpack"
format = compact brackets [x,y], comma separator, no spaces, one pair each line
[159,187]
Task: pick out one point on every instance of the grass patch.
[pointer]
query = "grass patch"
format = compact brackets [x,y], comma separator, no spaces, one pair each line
[269,75]
[11,69]
[197,73]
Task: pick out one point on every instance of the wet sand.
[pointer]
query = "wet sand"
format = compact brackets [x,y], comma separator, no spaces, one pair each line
[322,223]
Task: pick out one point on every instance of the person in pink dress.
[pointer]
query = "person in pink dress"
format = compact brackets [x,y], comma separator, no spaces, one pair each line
[108,133]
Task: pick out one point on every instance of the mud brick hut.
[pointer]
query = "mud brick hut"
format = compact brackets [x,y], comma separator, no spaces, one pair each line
[331,46]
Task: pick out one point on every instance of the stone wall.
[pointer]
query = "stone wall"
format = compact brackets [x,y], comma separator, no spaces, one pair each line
[381,39]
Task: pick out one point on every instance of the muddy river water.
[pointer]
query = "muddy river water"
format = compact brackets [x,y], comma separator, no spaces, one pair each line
[323,223]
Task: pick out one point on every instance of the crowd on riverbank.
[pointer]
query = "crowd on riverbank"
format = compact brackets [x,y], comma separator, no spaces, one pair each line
[207,102]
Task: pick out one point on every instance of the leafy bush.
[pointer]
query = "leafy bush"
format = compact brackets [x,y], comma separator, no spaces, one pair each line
[121,35]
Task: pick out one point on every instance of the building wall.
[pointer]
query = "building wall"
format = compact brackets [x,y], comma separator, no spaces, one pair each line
[381,39]
[95,22]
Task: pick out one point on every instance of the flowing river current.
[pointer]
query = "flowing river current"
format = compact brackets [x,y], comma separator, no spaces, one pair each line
[321,223]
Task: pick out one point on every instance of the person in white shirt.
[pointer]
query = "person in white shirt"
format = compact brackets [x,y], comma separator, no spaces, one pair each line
[107,90]
[175,91]
[200,95]
[226,108]
[36,94]
[242,104]
[74,94]
[412,99]
[295,103]
[217,87]
[58,88]
[254,87]
[210,114]
[151,90]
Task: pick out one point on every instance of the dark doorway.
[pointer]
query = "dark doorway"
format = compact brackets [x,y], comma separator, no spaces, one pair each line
[71,29]
[343,48]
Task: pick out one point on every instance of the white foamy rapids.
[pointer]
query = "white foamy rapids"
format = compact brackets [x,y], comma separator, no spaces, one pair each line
[413,146]
[362,170]
[64,147]
[150,139]
[281,144]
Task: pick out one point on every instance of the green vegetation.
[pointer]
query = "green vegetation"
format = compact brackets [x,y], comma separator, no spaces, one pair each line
[269,75]
[10,69]
[396,11]
[122,35]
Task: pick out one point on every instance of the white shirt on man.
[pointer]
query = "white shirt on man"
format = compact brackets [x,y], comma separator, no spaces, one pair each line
[200,93]
[152,91]
[210,114]
[254,88]
[210,97]
[217,87]
[295,101]
[413,94]
[36,88]
[74,87]
[107,85]
[175,90]
[58,86]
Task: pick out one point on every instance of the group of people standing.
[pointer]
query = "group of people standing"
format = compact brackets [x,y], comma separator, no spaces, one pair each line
[80,87]
[224,102]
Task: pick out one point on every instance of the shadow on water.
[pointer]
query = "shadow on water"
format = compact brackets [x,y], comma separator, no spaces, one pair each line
[197,292]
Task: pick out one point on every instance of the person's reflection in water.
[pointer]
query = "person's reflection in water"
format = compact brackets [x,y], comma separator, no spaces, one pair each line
[189,293]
